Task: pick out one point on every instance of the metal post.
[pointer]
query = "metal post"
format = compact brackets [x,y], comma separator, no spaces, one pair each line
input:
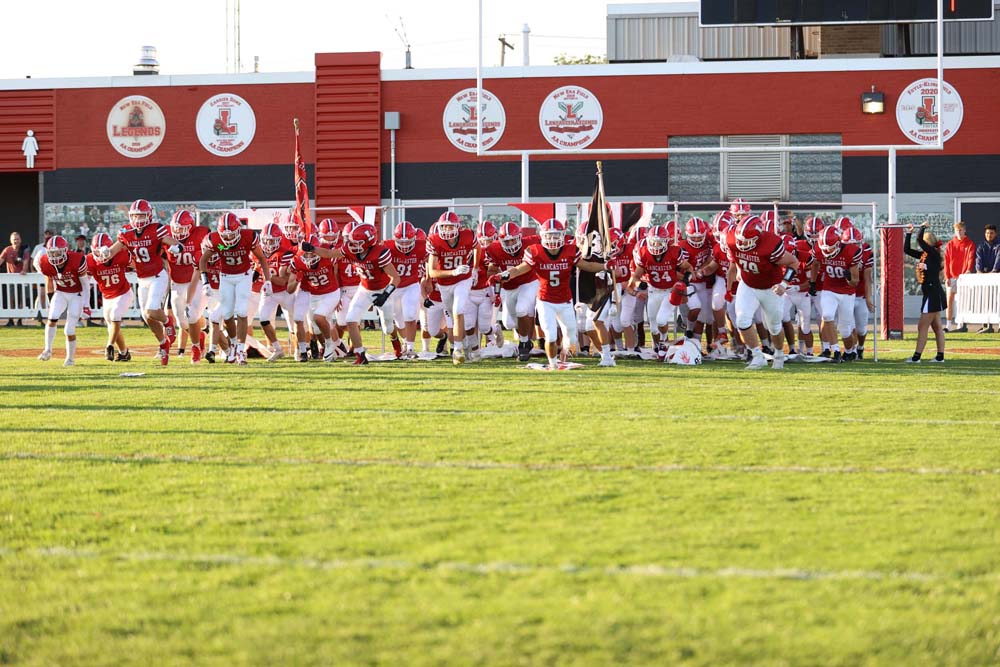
[876,290]
[392,175]
[525,32]
[479,84]
[525,170]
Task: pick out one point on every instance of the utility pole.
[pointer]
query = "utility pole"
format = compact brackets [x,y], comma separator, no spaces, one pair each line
[504,45]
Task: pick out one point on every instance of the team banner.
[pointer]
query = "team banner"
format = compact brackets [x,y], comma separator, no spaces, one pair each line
[301,212]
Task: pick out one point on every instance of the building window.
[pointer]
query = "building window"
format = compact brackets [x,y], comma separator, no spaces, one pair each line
[754,176]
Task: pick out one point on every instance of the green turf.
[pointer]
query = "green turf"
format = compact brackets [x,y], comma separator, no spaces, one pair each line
[422,514]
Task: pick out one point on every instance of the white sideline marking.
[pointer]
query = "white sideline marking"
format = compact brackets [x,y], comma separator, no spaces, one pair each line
[648,570]
[528,413]
[493,465]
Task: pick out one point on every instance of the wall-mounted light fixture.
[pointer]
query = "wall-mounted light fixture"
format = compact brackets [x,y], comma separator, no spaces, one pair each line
[873,102]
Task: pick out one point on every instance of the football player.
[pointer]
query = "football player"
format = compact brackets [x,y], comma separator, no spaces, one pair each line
[519,295]
[409,258]
[145,240]
[234,245]
[840,265]
[186,295]
[450,251]
[765,269]
[479,308]
[659,263]
[799,297]
[68,271]
[318,277]
[722,298]
[279,254]
[116,291]
[699,252]
[863,304]
[553,261]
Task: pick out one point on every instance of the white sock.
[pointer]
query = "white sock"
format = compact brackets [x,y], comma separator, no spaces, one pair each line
[240,348]
[523,339]
[553,363]
[50,336]
[459,345]
[70,348]
[835,347]
[329,346]
[757,351]
[425,345]
[949,324]
[360,350]
[408,346]
[826,346]
[605,350]
[303,347]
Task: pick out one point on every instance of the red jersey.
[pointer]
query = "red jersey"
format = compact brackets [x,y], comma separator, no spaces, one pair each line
[435,294]
[697,257]
[867,262]
[503,260]
[721,258]
[276,261]
[371,267]
[146,246]
[448,257]
[758,267]
[622,267]
[66,277]
[110,277]
[321,278]
[409,266]
[554,273]
[836,270]
[235,259]
[803,253]
[181,267]
[661,271]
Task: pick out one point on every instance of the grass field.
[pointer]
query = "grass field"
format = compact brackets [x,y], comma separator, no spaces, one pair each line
[422,514]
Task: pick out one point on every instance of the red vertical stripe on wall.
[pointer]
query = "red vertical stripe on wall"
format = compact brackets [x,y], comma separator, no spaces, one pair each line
[348,129]
[20,111]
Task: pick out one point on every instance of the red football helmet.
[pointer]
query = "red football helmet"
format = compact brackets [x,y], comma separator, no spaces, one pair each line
[486,233]
[721,223]
[329,231]
[748,233]
[290,228]
[843,224]
[553,233]
[181,224]
[852,235]
[769,221]
[310,258]
[100,245]
[813,227]
[405,235]
[140,213]
[829,242]
[637,234]
[510,237]
[270,238]
[789,241]
[658,238]
[616,241]
[229,228]
[421,236]
[448,226]
[56,249]
[696,231]
[360,238]
[739,208]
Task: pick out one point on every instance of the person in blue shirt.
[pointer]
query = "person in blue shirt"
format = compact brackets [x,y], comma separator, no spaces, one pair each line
[988,260]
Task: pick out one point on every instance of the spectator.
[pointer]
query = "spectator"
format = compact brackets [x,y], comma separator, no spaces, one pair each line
[988,260]
[16,259]
[959,258]
[81,244]
[929,262]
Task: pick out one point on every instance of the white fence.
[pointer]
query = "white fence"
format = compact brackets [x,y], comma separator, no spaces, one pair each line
[23,296]
[978,299]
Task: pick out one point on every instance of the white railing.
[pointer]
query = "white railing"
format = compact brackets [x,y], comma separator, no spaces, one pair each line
[23,296]
[978,299]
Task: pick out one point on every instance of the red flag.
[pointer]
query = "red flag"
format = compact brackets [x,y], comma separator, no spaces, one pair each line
[301,213]
[540,212]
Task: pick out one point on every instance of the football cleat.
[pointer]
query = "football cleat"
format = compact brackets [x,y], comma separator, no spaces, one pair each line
[109,353]
[314,348]
[360,359]
[195,354]
[303,357]
[861,354]
[69,362]
[756,363]
[524,351]
[913,360]
[850,356]
[458,357]
[241,359]
[169,331]
[607,360]
[837,358]
[45,355]
[124,356]
[231,355]
[276,354]
[441,345]
[165,353]
[826,354]
[778,362]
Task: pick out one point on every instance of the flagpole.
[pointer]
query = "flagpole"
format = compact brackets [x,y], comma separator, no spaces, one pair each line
[602,222]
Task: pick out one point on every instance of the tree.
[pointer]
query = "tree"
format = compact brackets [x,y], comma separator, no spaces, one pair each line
[589,59]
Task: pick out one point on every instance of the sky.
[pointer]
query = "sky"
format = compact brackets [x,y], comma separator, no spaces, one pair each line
[70,38]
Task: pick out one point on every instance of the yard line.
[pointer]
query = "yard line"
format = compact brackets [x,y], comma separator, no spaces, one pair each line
[516,413]
[488,465]
[645,570]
